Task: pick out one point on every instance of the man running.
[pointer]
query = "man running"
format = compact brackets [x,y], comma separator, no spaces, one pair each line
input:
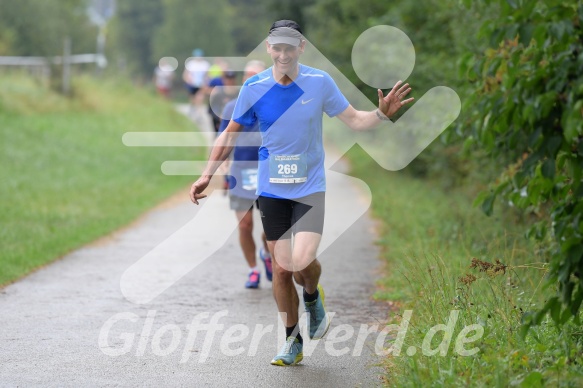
[288,100]
[194,77]
[225,93]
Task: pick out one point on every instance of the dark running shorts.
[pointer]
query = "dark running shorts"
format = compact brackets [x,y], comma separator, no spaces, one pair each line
[192,90]
[241,204]
[282,217]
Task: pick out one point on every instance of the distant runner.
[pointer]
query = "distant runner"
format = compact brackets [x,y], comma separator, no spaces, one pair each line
[243,184]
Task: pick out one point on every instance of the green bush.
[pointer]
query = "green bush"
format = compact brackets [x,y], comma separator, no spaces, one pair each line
[527,112]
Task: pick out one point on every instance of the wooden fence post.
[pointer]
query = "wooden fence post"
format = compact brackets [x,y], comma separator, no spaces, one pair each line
[66,66]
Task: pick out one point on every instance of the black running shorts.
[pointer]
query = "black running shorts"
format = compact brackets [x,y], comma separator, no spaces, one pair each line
[282,217]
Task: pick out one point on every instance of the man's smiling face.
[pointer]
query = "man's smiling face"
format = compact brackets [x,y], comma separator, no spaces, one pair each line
[285,57]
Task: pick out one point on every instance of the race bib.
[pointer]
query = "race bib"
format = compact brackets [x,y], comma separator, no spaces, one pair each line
[288,168]
[249,177]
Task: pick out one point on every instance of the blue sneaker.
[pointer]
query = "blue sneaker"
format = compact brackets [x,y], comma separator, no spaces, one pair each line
[290,354]
[253,282]
[318,322]
[266,258]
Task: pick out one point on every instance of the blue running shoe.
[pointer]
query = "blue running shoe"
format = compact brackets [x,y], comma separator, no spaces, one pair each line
[318,322]
[253,281]
[266,258]
[290,354]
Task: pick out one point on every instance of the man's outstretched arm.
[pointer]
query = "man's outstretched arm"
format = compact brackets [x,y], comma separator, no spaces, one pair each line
[219,153]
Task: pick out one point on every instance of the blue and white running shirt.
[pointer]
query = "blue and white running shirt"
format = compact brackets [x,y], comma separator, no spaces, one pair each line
[290,122]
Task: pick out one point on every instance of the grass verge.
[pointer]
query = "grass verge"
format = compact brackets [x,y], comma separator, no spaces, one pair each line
[67,178]
[445,257]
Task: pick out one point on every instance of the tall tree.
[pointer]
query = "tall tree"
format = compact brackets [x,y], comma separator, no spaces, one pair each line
[38,28]
[333,26]
[133,30]
[250,25]
[194,24]
[439,34]
[291,9]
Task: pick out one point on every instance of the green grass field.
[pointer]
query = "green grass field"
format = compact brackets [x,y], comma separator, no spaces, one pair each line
[67,178]
[429,238]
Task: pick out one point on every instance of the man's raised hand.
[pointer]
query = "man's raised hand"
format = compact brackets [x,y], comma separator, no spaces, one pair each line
[394,100]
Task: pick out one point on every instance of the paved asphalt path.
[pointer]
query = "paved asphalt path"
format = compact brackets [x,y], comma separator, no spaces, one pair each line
[69,324]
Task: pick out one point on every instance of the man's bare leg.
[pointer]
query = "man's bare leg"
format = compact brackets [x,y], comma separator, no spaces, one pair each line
[308,274]
[307,267]
[246,236]
[284,290]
